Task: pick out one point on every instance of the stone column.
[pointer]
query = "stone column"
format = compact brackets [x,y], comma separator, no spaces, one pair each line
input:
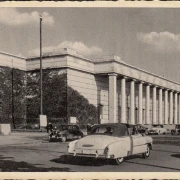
[154,106]
[179,110]
[171,108]
[175,108]
[160,106]
[140,103]
[112,97]
[132,107]
[166,107]
[148,104]
[123,100]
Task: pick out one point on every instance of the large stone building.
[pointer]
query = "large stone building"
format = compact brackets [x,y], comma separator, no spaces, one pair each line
[120,92]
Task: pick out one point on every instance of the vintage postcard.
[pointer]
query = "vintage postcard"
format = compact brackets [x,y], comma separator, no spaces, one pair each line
[89,90]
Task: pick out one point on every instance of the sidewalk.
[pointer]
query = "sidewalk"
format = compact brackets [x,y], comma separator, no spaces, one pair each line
[16,138]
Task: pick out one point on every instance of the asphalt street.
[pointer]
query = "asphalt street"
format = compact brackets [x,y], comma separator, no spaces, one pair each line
[31,152]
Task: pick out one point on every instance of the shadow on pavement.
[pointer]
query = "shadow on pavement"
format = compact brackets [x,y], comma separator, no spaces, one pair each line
[175,155]
[164,151]
[82,161]
[13,166]
[86,161]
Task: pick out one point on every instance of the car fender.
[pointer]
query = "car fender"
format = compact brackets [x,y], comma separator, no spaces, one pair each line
[120,148]
[72,146]
[149,139]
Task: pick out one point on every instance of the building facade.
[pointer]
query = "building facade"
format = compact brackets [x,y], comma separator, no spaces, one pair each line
[120,92]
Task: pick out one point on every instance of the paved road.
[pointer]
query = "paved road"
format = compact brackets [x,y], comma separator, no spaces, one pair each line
[33,153]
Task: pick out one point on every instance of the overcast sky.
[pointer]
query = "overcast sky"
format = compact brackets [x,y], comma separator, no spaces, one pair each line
[148,38]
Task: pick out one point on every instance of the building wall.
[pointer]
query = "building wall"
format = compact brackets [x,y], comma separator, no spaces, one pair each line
[87,79]
[93,88]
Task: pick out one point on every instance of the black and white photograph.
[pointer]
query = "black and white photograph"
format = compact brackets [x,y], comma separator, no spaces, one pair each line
[89,89]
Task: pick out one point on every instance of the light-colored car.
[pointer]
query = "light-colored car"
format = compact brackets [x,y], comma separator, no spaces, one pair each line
[158,129]
[112,141]
[176,130]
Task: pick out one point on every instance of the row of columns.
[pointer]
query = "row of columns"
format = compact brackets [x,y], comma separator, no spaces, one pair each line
[113,103]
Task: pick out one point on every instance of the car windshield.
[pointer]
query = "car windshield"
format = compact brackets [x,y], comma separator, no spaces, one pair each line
[63,127]
[116,131]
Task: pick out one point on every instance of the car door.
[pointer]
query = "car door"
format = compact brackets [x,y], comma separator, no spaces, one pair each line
[138,142]
[70,132]
[76,132]
[73,132]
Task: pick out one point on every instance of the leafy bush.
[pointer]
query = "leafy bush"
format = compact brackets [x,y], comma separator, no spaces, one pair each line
[79,107]
[60,102]
[12,95]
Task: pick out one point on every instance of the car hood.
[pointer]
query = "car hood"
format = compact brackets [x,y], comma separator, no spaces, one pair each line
[96,141]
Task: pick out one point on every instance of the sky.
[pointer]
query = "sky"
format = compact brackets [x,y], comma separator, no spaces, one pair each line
[147,38]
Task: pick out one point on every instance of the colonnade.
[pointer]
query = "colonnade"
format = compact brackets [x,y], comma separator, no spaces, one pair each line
[171,98]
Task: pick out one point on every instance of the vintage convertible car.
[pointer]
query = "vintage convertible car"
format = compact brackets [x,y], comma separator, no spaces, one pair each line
[112,141]
[65,132]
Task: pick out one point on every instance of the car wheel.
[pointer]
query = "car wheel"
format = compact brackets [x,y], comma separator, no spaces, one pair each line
[147,153]
[164,133]
[119,160]
[63,139]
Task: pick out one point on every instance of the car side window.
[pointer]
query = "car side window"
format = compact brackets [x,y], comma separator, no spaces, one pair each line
[133,131]
[75,128]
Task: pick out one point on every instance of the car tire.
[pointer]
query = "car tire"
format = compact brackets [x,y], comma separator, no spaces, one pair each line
[63,139]
[119,160]
[147,153]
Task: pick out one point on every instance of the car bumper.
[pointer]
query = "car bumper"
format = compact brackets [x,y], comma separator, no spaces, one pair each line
[55,137]
[89,155]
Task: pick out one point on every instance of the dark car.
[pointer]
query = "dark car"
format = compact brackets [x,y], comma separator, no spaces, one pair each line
[176,131]
[142,129]
[66,132]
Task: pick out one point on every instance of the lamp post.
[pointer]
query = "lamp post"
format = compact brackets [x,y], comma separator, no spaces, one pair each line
[14,126]
[43,118]
[41,93]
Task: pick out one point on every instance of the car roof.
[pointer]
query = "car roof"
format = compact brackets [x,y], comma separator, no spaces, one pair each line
[115,124]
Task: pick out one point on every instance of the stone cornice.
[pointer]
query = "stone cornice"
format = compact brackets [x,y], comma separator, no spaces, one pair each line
[127,65]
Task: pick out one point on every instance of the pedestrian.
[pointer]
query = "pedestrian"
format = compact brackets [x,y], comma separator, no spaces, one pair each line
[49,127]
[88,128]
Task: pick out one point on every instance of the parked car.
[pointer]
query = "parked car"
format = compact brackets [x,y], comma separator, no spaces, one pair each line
[152,132]
[112,141]
[176,131]
[142,129]
[157,129]
[65,132]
